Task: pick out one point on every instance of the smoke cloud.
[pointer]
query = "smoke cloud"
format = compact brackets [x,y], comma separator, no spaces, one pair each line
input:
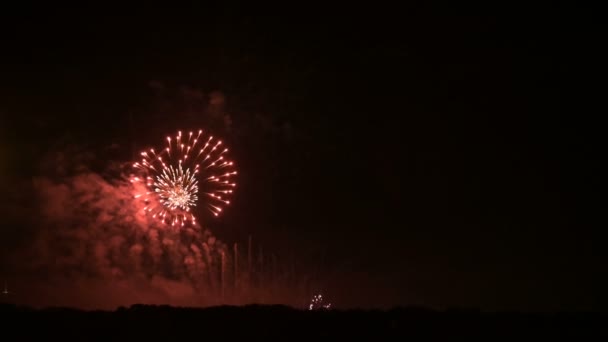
[73,235]
[94,247]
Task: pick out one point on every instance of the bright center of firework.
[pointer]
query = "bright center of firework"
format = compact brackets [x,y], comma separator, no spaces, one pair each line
[178,197]
[176,188]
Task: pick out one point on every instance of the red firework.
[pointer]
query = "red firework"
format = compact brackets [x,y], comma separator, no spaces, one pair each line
[188,170]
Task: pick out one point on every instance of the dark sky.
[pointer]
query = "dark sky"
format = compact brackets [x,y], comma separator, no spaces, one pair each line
[426,155]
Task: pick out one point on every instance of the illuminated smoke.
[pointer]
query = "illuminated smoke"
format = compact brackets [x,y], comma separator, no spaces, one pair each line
[93,246]
[90,245]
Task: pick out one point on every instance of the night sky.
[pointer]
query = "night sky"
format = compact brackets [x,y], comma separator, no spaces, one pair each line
[424,155]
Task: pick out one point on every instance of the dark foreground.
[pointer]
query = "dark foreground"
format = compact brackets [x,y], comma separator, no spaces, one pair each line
[142,322]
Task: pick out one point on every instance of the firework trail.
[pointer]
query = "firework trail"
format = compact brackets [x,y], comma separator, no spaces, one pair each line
[190,168]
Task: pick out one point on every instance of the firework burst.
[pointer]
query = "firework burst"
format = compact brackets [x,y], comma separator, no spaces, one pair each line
[190,167]
[317,303]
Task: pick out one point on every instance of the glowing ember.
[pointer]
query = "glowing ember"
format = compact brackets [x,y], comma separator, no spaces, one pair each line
[317,303]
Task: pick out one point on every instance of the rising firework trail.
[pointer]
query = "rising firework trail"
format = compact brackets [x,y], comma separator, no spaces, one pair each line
[192,169]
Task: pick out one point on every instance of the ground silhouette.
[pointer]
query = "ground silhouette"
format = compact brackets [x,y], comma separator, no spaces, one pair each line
[162,323]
